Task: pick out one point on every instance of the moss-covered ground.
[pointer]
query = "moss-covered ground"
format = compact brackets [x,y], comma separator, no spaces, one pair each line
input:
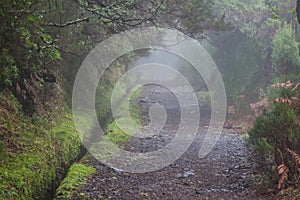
[34,152]
[76,178]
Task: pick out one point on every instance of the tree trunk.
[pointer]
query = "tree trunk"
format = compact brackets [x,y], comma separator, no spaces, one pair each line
[298,10]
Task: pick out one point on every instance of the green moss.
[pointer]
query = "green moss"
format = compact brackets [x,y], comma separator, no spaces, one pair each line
[116,135]
[75,179]
[40,155]
[84,123]
[119,136]
[103,102]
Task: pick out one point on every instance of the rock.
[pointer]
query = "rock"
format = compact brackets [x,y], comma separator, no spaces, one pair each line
[145,188]
[185,174]
[225,190]
[143,100]
[244,177]
[188,173]
[117,170]
[180,175]
[237,167]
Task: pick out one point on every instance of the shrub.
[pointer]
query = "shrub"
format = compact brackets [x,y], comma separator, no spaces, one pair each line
[273,135]
[276,129]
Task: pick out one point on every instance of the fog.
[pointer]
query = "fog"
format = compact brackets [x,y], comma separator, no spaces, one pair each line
[158,56]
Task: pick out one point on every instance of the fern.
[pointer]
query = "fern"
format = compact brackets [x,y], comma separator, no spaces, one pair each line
[283,175]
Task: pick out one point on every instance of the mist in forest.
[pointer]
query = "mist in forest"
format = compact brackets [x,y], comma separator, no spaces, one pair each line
[158,56]
[236,57]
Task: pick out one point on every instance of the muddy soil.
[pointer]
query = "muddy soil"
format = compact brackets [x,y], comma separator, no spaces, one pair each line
[226,173]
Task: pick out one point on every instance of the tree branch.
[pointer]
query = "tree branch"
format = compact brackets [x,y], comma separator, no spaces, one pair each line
[86,19]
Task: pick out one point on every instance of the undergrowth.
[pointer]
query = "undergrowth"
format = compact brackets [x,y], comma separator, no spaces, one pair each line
[275,137]
[34,155]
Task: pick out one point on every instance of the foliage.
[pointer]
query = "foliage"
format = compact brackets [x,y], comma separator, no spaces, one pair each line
[273,132]
[276,129]
[240,62]
[285,53]
[279,90]
[198,16]
[259,19]
[276,136]
[25,44]
[250,56]
[76,178]
[193,17]
[247,16]
[34,153]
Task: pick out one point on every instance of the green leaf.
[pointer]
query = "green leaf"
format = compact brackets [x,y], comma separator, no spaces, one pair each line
[31,17]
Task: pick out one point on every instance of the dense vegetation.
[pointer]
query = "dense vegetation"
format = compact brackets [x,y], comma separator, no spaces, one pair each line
[275,133]
[43,43]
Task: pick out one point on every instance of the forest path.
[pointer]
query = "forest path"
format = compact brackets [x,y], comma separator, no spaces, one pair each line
[226,173]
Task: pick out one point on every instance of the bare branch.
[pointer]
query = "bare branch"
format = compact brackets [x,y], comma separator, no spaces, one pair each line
[118,13]
[86,19]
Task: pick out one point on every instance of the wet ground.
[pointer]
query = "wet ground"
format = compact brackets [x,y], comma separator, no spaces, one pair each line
[226,173]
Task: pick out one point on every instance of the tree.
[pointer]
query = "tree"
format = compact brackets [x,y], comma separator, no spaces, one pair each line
[24,44]
[35,33]
[193,17]
[285,53]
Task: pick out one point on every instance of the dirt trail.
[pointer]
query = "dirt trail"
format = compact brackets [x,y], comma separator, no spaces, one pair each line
[226,173]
